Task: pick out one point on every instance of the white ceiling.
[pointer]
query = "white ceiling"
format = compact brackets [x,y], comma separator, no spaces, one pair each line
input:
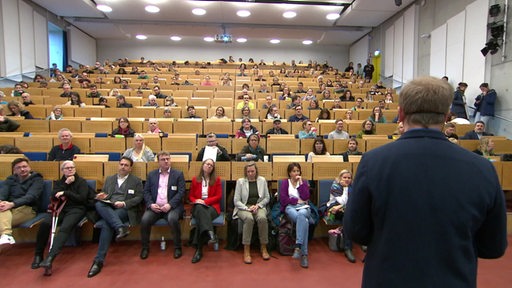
[129,18]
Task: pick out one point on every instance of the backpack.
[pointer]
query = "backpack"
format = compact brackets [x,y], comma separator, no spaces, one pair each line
[286,237]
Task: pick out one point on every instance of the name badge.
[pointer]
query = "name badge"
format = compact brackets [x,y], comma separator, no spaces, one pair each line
[131,191]
[174,187]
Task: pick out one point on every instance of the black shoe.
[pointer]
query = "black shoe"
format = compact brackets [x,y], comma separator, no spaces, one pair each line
[144,253]
[350,256]
[95,269]
[213,237]
[122,232]
[47,264]
[197,256]
[177,253]
[37,261]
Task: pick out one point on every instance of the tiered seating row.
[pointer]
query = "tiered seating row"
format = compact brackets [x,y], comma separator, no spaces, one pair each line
[229,171]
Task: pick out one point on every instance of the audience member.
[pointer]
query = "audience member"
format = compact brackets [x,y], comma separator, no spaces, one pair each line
[19,198]
[318,148]
[250,205]
[352,149]
[6,124]
[163,198]
[477,132]
[123,128]
[368,128]
[338,133]
[213,150]
[294,199]
[65,150]
[308,131]
[74,190]
[17,110]
[205,195]
[139,152]
[276,129]
[118,203]
[252,151]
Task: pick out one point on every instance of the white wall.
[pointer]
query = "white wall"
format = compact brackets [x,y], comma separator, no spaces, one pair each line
[82,47]
[133,49]
[359,51]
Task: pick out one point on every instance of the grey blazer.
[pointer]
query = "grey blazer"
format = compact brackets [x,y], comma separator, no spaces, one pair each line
[131,199]
[242,194]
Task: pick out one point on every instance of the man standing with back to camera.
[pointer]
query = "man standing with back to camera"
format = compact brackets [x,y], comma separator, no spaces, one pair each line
[427,209]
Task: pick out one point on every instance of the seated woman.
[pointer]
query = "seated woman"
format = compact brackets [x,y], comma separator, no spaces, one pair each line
[368,129]
[220,113]
[205,195]
[485,147]
[294,200]
[340,191]
[246,130]
[349,115]
[169,102]
[250,201]
[253,150]
[324,114]
[352,149]
[273,113]
[377,115]
[16,109]
[74,100]
[313,105]
[123,128]
[318,149]
[207,81]
[326,95]
[347,96]
[308,131]
[75,191]
[56,113]
[139,152]
[245,112]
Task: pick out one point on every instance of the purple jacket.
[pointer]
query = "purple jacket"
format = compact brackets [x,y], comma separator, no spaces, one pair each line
[285,200]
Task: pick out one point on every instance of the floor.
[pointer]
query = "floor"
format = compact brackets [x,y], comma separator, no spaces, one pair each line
[224,268]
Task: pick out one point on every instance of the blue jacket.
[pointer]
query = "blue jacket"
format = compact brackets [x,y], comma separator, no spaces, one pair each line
[427,209]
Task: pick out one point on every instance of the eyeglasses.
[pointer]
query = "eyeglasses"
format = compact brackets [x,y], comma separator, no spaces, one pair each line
[69,168]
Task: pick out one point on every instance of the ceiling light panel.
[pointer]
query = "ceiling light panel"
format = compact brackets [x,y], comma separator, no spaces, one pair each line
[104,8]
[198,11]
[152,9]
[243,13]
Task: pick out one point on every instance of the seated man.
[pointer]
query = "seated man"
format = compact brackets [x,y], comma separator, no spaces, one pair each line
[352,149]
[449,132]
[338,133]
[213,145]
[118,204]
[298,117]
[66,91]
[151,101]
[163,198]
[191,110]
[121,102]
[93,92]
[477,132]
[276,129]
[19,198]
[27,101]
[66,150]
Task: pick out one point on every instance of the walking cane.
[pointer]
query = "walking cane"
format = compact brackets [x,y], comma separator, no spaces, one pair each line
[55,208]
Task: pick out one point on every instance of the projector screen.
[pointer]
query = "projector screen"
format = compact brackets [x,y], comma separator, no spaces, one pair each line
[82,47]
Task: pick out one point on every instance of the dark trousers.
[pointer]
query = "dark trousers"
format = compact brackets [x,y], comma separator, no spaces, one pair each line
[149,218]
[114,219]
[203,216]
[68,219]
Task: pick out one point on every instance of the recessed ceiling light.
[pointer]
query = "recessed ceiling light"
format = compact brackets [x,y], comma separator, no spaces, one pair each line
[243,13]
[275,41]
[307,42]
[208,39]
[198,11]
[141,37]
[332,16]
[241,40]
[289,14]
[152,9]
[175,38]
[104,8]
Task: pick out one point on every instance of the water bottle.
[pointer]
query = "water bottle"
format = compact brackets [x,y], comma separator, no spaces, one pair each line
[163,245]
